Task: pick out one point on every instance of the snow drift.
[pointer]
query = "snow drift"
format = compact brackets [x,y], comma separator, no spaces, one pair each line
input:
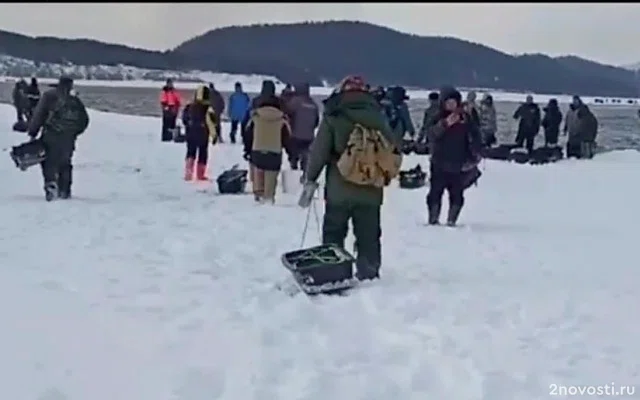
[147,287]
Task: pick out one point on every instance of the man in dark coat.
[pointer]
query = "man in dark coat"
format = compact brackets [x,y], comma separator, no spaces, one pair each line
[218,105]
[530,117]
[62,117]
[304,118]
[345,201]
[455,153]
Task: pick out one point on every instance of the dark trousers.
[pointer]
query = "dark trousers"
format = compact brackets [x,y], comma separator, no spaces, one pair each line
[57,166]
[366,229]
[551,137]
[452,182]
[527,140]
[168,125]
[234,129]
[580,150]
[299,153]
[198,149]
[20,114]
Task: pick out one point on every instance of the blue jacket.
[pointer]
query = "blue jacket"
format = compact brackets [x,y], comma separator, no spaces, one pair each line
[239,103]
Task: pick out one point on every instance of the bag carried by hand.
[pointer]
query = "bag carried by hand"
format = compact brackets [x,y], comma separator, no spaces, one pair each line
[369,159]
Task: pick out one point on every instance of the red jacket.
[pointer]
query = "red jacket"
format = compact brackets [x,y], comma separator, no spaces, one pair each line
[170,99]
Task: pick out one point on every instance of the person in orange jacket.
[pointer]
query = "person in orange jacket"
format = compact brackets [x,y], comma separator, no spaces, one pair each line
[170,103]
[200,120]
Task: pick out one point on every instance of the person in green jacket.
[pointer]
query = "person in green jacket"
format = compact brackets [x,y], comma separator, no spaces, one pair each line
[345,201]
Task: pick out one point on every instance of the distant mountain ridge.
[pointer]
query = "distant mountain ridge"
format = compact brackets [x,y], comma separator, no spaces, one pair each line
[326,51]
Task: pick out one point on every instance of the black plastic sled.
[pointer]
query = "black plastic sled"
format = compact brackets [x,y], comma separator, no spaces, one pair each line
[232,181]
[519,156]
[324,269]
[28,154]
[413,178]
[421,148]
[500,152]
[408,146]
[544,155]
[20,126]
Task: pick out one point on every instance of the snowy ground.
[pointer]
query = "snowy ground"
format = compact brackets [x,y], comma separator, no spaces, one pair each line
[145,288]
[253,83]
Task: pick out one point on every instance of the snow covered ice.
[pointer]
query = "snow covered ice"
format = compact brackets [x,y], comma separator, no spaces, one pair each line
[149,288]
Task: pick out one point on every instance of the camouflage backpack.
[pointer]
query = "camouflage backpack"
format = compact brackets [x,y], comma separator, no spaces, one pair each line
[69,115]
[369,159]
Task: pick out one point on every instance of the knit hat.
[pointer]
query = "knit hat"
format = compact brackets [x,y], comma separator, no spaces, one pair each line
[449,92]
[352,83]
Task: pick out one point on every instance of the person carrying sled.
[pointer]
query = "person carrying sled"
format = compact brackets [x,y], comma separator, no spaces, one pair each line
[455,153]
[62,117]
[360,154]
[33,96]
[551,123]
[267,134]
[170,102]
[529,115]
[239,103]
[304,117]
[199,120]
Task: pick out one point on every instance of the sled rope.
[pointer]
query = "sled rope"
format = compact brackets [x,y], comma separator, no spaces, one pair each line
[306,222]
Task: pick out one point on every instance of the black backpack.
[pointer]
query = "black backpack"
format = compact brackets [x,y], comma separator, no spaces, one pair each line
[232,181]
[69,115]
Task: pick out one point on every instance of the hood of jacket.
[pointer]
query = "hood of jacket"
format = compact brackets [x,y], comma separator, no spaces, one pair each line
[269,113]
[360,107]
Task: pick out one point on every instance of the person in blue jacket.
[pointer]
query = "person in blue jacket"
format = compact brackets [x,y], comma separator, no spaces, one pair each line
[238,110]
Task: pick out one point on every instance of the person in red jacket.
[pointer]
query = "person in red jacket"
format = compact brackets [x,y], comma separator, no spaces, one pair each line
[170,103]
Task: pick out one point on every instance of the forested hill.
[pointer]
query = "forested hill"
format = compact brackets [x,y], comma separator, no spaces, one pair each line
[316,52]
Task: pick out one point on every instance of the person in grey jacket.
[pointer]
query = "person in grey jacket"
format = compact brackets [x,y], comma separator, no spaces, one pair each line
[304,117]
[488,121]
[582,126]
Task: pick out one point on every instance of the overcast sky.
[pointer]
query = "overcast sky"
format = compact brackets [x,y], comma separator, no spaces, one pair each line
[603,32]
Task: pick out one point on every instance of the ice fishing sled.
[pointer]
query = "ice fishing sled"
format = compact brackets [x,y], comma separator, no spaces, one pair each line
[547,154]
[324,269]
[500,152]
[519,156]
[232,181]
[408,146]
[28,154]
[421,148]
[413,178]
[20,126]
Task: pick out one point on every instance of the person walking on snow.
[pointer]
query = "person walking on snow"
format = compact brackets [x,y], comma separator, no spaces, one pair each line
[199,120]
[239,103]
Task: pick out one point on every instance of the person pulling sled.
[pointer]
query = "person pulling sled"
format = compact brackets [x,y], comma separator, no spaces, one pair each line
[199,120]
[361,155]
[62,117]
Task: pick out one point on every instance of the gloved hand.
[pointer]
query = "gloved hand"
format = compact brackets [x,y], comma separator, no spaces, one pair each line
[33,135]
[306,197]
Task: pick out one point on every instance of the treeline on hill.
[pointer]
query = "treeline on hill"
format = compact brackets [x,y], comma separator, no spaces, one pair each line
[330,50]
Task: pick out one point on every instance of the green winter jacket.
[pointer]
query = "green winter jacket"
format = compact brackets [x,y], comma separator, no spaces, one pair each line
[341,112]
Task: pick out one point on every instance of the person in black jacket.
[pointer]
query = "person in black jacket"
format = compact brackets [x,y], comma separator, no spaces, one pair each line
[455,153]
[551,123]
[529,115]
[33,95]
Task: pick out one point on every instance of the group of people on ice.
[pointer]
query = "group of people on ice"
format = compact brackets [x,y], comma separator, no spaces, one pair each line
[355,117]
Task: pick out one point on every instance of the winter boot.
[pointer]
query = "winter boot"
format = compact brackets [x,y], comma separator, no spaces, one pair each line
[50,191]
[201,172]
[188,169]
[434,214]
[454,212]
